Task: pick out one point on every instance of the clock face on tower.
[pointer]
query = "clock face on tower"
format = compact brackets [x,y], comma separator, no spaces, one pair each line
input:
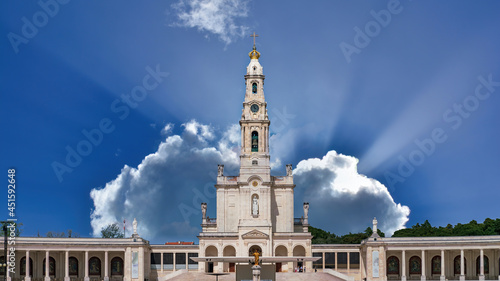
[254,108]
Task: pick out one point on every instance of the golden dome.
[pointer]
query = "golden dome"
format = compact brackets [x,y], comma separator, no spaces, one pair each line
[254,54]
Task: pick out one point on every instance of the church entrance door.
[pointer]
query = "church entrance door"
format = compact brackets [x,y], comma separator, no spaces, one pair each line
[210,267]
[278,267]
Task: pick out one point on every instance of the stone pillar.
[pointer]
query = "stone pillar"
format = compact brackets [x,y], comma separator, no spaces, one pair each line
[256,272]
[141,263]
[443,273]
[27,276]
[403,265]
[127,267]
[47,276]
[66,266]
[174,263]
[348,262]
[106,266]
[161,263]
[86,273]
[336,268]
[187,261]
[323,253]
[422,278]
[462,265]
[481,265]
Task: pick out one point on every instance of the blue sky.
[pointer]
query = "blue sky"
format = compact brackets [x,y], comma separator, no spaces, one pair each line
[385,108]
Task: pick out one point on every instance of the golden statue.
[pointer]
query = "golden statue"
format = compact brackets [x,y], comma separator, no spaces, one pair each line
[256,255]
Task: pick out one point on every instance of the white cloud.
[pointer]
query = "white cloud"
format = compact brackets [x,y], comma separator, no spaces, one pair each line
[213,16]
[167,129]
[342,200]
[165,190]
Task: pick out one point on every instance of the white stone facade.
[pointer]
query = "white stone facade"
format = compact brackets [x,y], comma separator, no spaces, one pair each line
[254,209]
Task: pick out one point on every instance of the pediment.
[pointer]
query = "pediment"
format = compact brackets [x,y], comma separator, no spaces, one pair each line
[254,234]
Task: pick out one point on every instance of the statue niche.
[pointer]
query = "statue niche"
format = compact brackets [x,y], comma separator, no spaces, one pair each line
[255,205]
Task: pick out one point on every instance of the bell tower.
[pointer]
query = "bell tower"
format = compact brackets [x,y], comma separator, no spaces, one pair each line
[254,122]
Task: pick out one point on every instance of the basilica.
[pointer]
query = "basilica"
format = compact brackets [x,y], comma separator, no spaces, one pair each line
[255,217]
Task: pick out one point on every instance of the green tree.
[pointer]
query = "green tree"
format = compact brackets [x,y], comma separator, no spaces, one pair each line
[17,227]
[111,231]
[55,234]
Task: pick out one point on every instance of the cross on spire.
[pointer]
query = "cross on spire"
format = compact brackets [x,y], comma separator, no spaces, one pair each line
[254,35]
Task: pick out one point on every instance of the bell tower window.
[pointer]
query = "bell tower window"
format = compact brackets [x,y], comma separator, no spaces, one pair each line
[255,141]
[254,88]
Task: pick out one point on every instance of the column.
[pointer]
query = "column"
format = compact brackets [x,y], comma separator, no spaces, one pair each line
[127,274]
[187,261]
[348,262]
[174,263]
[323,253]
[443,274]
[47,276]
[106,266]
[462,266]
[336,268]
[66,266]
[161,259]
[481,265]
[27,276]
[423,266]
[403,265]
[86,273]
[497,257]
[141,263]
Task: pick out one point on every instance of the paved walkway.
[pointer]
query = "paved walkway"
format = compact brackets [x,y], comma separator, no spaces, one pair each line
[282,276]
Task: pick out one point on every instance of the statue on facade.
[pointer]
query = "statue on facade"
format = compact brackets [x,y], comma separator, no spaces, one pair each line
[375,230]
[134,225]
[204,212]
[306,212]
[256,256]
[255,206]
[220,170]
[289,170]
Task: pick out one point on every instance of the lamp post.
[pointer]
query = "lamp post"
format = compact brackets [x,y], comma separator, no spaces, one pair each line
[4,263]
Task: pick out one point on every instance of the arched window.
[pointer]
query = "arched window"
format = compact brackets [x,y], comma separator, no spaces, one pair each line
[436,265]
[415,265]
[393,265]
[73,266]
[116,266]
[52,266]
[23,266]
[456,265]
[254,88]
[255,141]
[486,265]
[94,266]
[253,249]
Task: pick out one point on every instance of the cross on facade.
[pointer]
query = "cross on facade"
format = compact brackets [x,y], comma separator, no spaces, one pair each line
[254,35]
